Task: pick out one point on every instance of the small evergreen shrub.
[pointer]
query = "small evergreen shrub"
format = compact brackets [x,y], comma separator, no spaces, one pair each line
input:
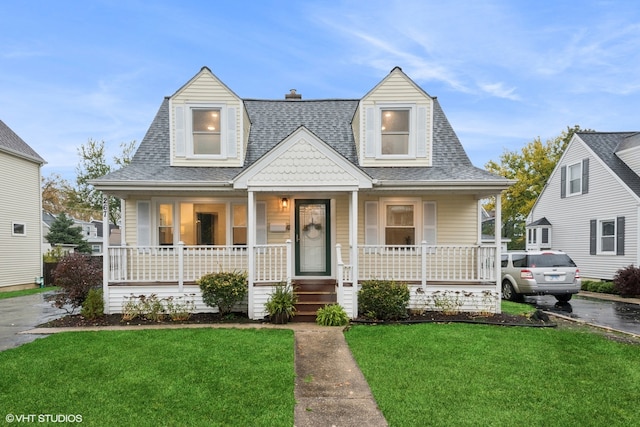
[223,290]
[603,286]
[76,275]
[93,306]
[332,315]
[627,281]
[383,299]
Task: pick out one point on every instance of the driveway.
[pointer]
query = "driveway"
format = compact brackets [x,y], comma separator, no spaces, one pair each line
[622,314]
[21,314]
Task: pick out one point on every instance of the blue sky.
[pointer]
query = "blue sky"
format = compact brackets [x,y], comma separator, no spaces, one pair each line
[504,71]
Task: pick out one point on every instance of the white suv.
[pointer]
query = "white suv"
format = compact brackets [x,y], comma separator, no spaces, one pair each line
[539,273]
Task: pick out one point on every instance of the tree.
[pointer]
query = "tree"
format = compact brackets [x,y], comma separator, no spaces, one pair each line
[93,164]
[58,196]
[63,231]
[531,168]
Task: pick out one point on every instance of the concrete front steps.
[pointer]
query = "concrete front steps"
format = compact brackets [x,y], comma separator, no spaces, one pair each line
[313,294]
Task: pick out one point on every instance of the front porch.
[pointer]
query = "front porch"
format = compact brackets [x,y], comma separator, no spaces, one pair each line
[429,270]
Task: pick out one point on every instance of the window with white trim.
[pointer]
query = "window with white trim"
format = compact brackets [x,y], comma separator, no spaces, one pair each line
[607,236]
[399,226]
[206,131]
[18,229]
[165,224]
[394,131]
[574,179]
[239,232]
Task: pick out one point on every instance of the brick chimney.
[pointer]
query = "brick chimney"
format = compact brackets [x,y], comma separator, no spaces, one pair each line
[292,95]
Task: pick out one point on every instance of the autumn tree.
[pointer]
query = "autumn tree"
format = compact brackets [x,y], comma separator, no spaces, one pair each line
[530,168]
[63,231]
[93,164]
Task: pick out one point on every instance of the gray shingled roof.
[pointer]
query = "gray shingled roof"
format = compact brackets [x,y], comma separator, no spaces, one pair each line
[605,145]
[273,120]
[10,142]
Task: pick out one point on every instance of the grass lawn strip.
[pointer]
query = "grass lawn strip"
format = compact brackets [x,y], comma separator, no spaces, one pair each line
[470,375]
[155,377]
[24,292]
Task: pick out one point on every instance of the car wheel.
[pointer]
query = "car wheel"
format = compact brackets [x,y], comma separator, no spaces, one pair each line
[563,297]
[509,293]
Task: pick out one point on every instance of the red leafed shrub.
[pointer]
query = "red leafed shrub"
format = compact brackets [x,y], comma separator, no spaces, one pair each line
[627,281]
[76,275]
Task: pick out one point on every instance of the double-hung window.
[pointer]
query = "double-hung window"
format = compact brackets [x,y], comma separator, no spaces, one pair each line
[607,237]
[394,131]
[400,225]
[206,131]
[574,179]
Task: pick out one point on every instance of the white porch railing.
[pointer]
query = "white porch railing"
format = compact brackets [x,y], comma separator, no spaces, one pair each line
[423,263]
[273,263]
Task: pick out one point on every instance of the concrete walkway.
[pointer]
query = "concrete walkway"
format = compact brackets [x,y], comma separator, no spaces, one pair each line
[330,389]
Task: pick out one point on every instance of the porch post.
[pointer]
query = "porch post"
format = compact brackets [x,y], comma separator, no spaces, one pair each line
[251,241]
[180,266]
[353,246]
[105,253]
[498,239]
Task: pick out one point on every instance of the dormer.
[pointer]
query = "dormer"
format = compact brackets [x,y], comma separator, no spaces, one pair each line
[629,152]
[393,125]
[206,124]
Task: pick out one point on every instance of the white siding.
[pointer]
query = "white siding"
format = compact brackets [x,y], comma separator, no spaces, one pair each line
[396,88]
[569,217]
[20,256]
[205,88]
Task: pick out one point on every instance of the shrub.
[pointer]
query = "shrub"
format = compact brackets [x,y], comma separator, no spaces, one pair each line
[93,306]
[281,304]
[383,299]
[223,290]
[332,315]
[179,308]
[76,275]
[627,281]
[604,287]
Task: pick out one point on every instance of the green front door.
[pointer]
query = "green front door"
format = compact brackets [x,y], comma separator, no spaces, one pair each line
[313,238]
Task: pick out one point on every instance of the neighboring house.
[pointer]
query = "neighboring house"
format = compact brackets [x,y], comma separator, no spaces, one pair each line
[20,231]
[91,232]
[590,206]
[320,192]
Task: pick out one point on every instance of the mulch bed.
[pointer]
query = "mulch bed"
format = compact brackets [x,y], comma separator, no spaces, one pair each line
[537,320]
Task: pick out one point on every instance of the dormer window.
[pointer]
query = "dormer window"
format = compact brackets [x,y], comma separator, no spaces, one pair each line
[206,131]
[395,131]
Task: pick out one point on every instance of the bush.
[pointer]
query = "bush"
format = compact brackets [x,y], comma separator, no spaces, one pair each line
[93,306]
[604,287]
[383,299]
[332,315]
[76,275]
[627,281]
[223,290]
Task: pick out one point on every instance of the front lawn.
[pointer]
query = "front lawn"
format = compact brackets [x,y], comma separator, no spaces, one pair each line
[24,292]
[184,377]
[476,375]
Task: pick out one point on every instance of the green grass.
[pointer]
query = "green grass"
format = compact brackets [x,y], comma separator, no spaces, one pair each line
[510,307]
[478,375]
[214,377]
[24,292]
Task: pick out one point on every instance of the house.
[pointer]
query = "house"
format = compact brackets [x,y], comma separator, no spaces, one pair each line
[91,232]
[20,231]
[326,193]
[589,207]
